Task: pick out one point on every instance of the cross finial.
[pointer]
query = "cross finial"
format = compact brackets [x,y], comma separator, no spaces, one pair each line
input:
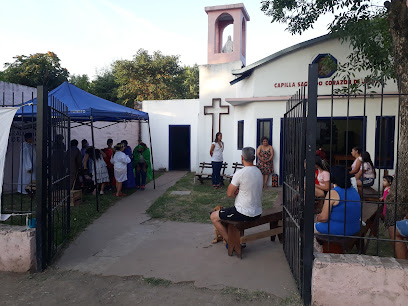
[216,110]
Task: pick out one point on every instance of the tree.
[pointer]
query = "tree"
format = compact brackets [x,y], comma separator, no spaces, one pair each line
[191,82]
[379,35]
[81,81]
[152,77]
[104,86]
[36,69]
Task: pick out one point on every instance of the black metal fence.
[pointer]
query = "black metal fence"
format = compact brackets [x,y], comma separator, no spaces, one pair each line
[358,129]
[53,179]
[298,164]
[36,187]
[364,130]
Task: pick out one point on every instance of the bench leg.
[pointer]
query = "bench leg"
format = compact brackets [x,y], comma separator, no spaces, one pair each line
[234,241]
[273,225]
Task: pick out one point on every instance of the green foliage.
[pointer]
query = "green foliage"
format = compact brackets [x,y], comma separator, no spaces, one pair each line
[104,86]
[81,81]
[190,82]
[36,69]
[153,77]
[361,23]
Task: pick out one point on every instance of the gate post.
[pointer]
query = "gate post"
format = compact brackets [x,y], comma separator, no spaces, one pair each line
[41,177]
[310,178]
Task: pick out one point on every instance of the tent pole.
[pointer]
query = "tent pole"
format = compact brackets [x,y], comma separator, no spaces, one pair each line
[151,151]
[94,162]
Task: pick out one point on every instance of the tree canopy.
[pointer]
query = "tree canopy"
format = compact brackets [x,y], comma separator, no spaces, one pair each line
[81,81]
[36,69]
[154,77]
[145,77]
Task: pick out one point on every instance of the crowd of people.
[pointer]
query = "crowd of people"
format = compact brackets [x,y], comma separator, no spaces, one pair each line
[114,167]
[342,190]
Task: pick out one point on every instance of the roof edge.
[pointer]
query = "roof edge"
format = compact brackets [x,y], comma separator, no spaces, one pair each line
[283,52]
[228,7]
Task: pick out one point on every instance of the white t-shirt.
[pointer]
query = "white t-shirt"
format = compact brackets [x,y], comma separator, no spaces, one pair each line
[217,153]
[120,160]
[249,199]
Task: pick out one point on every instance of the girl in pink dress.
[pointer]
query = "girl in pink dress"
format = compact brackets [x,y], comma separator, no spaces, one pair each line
[387,181]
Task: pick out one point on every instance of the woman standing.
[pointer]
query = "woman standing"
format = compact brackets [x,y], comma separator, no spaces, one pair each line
[120,163]
[265,159]
[216,152]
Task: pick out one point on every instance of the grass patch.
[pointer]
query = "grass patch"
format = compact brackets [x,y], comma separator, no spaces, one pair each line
[80,216]
[382,248]
[153,281]
[196,206]
[245,295]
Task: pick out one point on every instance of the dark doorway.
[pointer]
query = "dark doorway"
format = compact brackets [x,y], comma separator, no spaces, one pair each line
[338,135]
[179,147]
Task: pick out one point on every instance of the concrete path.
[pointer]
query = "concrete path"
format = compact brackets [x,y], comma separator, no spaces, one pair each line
[126,241]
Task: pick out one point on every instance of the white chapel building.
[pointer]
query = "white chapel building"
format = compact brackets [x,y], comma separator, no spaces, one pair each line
[247,102]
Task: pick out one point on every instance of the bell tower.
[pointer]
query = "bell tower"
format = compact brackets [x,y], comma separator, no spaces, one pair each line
[219,17]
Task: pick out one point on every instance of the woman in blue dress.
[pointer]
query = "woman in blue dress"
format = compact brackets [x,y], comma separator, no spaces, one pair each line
[341,211]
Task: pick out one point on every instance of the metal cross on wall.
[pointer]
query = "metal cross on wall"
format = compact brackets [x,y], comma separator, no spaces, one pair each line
[216,110]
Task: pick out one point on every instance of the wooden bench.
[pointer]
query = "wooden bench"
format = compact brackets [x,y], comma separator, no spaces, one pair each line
[236,229]
[235,167]
[370,216]
[369,193]
[204,176]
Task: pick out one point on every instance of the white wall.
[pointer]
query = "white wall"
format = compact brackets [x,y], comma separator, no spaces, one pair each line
[260,98]
[293,68]
[214,83]
[121,131]
[162,114]
[21,93]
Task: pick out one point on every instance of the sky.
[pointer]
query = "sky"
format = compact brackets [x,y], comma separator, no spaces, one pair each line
[88,35]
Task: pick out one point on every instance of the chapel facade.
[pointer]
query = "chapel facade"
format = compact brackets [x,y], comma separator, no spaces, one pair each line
[247,102]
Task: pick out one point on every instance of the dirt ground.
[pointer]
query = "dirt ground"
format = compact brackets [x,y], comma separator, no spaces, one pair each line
[54,287]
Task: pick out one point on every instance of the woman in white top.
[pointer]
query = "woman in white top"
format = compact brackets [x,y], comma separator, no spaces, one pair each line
[119,161]
[216,150]
[366,175]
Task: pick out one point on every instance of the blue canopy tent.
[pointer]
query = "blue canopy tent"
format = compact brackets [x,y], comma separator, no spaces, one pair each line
[85,108]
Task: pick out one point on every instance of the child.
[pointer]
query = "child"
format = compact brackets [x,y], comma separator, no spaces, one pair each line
[119,161]
[387,181]
[101,171]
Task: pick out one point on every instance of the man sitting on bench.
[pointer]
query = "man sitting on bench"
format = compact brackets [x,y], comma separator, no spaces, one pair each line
[246,188]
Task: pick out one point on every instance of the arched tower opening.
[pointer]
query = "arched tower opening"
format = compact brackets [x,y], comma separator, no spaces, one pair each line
[223,25]
[227,33]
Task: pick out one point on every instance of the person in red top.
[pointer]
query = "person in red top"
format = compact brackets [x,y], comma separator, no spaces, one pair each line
[109,152]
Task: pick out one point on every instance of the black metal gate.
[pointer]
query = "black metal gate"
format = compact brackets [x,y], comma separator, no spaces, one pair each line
[53,183]
[299,147]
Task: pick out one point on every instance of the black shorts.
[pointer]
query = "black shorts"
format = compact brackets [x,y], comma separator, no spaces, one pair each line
[231,213]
